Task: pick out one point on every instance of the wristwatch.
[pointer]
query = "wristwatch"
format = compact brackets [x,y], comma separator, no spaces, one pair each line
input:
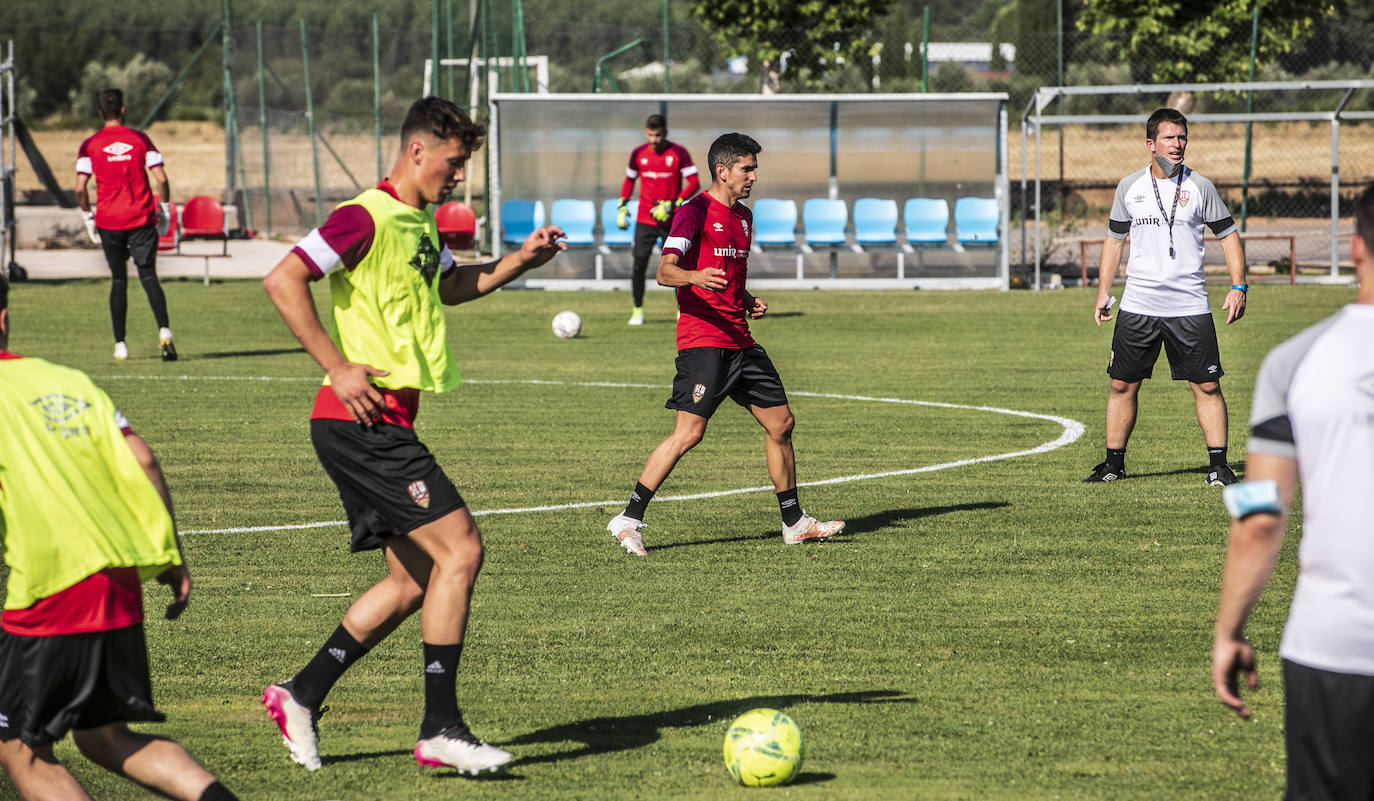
[1241,287]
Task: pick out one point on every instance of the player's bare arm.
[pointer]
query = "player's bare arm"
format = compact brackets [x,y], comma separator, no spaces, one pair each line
[1106,274]
[1234,305]
[671,275]
[288,285]
[176,577]
[83,197]
[1250,557]
[471,281]
[164,187]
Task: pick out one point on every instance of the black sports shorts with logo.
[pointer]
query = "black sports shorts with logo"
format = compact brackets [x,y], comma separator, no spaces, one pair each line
[141,243]
[51,685]
[706,376]
[1329,733]
[388,480]
[1189,342]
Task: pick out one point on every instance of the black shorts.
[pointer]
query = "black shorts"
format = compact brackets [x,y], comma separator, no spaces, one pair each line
[706,376]
[141,243]
[388,480]
[1329,734]
[646,236]
[51,685]
[1189,342]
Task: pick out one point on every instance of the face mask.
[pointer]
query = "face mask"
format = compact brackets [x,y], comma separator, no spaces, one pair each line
[1168,167]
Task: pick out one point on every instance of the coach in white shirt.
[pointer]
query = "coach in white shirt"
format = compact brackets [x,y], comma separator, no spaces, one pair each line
[1313,418]
[1164,207]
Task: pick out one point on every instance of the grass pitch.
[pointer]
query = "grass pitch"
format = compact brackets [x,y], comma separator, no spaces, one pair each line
[996,630]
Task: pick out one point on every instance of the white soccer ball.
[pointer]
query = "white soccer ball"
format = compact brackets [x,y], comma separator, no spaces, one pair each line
[566,324]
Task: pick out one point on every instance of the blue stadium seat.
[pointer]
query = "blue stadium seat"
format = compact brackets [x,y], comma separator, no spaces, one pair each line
[577,218]
[825,221]
[875,221]
[926,220]
[611,235]
[775,222]
[976,219]
[519,219]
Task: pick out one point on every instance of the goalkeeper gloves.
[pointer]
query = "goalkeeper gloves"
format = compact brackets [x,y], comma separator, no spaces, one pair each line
[164,218]
[622,217]
[662,210]
[89,218]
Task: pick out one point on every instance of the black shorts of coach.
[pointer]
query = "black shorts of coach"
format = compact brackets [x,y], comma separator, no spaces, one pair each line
[388,480]
[1328,733]
[52,685]
[707,376]
[140,243]
[1189,342]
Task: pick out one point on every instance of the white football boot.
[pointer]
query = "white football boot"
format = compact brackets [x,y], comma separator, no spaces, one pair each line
[298,724]
[456,747]
[121,351]
[627,530]
[809,528]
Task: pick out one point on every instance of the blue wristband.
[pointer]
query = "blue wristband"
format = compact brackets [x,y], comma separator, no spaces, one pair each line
[1241,287]
[1251,498]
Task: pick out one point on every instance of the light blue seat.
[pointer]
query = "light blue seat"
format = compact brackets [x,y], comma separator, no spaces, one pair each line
[519,219]
[825,221]
[975,220]
[577,218]
[611,235]
[926,220]
[875,221]
[775,222]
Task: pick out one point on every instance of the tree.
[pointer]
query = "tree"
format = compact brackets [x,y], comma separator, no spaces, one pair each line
[813,34]
[1199,42]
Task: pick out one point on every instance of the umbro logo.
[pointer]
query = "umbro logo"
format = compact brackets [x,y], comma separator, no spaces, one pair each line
[338,653]
[718,226]
[434,667]
[4,721]
[59,408]
[118,148]
[1211,368]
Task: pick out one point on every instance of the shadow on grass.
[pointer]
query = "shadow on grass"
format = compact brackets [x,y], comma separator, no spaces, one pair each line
[609,734]
[873,522]
[1238,467]
[234,354]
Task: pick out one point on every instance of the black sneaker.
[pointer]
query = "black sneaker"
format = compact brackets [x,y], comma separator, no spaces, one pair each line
[1220,476]
[1106,472]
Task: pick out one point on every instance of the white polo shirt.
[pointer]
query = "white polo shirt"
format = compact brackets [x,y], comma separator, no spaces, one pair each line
[1314,401]
[1156,283]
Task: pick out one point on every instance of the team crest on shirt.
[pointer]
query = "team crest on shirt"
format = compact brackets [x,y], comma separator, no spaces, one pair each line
[426,259]
[668,161]
[1183,197]
[419,492]
[697,392]
[644,162]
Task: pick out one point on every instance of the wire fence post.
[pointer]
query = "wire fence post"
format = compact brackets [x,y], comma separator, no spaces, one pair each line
[1249,109]
[667,62]
[227,80]
[262,121]
[310,125]
[925,50]
[377,94]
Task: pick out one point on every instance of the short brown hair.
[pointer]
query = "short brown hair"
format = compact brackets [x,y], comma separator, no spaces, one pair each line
[730,148]
[443,120]
[111,104]
[1364,217]
[1164,115]
[656,122]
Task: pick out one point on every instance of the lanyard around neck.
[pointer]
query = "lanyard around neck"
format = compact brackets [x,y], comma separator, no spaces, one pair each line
[1178,190]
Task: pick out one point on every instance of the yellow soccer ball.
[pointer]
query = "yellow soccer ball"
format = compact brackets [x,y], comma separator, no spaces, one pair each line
[763,748]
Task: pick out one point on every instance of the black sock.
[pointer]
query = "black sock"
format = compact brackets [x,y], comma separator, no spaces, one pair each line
[639,501]
[441,691]
[337,654]
[217,792]
[1216,457]
[791,510]
[1116,457]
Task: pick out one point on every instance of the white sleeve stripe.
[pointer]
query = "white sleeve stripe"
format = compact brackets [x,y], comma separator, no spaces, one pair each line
[152,159]
[679,244]
[83,165]
[446,261]
[631,172]
[121,422]
[690,169]
[319,251]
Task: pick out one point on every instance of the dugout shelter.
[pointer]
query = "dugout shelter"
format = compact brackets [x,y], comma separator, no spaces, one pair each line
[949,148]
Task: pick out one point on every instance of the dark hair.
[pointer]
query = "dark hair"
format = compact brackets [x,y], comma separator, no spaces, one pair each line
[730,148]
[1364,217]
[656,122]
[1164,115]
[111,103]
[4,293]
[443,120]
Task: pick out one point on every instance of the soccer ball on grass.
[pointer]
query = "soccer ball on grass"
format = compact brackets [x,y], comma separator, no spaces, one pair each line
[763,748]
[566,324]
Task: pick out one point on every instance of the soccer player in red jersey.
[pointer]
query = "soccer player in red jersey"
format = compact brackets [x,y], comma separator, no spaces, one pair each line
[706,259]
[126,217]
[667,178]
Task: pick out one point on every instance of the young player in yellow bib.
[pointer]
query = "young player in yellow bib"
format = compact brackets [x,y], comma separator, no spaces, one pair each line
[389,277]
[85,519]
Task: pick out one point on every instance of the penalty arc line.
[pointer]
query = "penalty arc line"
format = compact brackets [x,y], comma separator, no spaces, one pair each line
[1072,431]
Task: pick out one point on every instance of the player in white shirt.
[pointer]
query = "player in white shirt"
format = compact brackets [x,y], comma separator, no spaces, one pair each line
[1313,418]
[1164,207]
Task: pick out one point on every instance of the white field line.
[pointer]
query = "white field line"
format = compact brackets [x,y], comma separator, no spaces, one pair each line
[1072,430]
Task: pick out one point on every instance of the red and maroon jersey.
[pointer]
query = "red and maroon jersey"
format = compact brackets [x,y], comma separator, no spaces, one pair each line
[707,234]
[119,159]
[669,175]
[341,243]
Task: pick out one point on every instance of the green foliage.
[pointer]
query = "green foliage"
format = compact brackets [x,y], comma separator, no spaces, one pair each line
[1199,42]
[815,34]
[142,79]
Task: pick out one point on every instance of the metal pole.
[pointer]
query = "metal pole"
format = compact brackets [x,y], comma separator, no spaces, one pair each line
[1003,191]
[448,44]
[1024,142]
[1249,108]
[925,50]
[1335,186]
[1059,32]
[667,62]
[310,124]
[262,122]
[228,81]
[434,44]
[377,93]
[1037,200]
